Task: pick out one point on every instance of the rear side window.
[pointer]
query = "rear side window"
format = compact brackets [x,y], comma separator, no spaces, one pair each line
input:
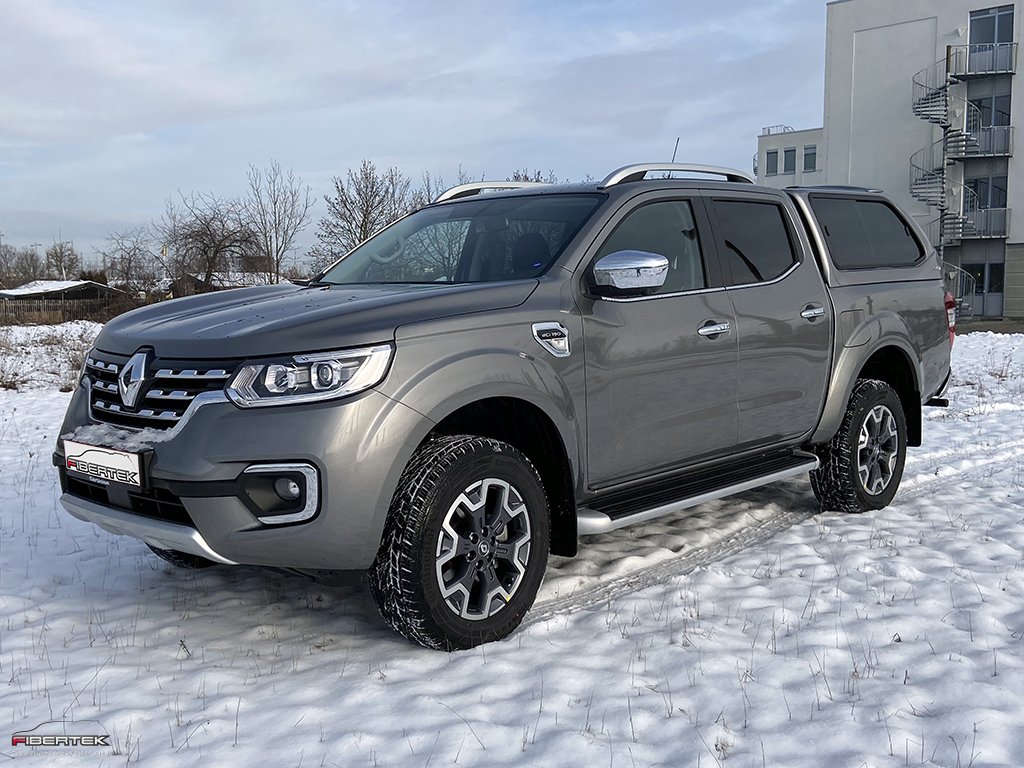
[756,242]
[865,234]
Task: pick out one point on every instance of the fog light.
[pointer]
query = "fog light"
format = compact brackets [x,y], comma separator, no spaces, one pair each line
[281,493]
[287,488]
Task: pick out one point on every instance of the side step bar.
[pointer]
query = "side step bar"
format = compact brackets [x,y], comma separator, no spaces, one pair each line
[591,521]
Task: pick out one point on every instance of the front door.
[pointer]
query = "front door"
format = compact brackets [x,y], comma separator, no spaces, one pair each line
[661,392]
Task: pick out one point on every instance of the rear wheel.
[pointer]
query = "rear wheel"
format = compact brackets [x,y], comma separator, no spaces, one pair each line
[465,545]
[862,465]
[181,559]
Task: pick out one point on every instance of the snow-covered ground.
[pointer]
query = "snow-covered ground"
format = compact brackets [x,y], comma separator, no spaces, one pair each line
[748,632]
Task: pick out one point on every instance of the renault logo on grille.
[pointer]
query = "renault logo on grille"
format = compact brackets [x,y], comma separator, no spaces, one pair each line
[129,380]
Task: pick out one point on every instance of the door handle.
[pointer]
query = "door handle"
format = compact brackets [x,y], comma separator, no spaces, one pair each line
[711,329]
[812,311]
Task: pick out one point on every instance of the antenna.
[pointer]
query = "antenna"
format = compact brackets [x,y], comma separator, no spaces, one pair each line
[675,150]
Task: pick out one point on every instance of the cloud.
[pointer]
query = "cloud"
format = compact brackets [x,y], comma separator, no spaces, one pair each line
[106,108]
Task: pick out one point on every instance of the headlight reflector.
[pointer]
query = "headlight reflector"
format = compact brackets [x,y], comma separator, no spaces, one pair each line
[309,378]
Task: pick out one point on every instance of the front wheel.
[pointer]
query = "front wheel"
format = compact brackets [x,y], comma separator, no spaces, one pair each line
[465,544]
[862,465]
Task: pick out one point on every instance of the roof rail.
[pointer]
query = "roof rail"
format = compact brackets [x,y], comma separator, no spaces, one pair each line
[476,187]
[638,171]
[837,187]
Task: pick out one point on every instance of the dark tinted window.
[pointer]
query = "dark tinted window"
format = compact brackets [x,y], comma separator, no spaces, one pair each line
[667,229]
[789,161]
[772,162]
[757,244]
[863,234]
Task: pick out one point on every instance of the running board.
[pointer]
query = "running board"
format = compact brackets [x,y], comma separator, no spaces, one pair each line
[591,521]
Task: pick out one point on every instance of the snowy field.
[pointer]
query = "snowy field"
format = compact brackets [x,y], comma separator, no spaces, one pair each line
[748,632]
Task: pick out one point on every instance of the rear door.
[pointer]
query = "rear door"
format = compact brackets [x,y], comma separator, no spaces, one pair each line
[783,317]
[661,392]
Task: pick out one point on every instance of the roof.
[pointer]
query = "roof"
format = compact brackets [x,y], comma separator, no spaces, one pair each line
[44,287]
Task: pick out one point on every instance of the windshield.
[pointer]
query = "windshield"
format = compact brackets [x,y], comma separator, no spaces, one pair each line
[478,241]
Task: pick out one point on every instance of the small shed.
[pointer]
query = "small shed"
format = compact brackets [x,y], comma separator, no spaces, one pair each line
[66,290]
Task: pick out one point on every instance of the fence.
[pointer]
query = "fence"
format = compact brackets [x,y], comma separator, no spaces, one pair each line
[39,311]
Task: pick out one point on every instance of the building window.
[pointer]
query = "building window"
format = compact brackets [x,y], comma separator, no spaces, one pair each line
[810,158]
[789,160]
[991,191]
[771,162]
[992,25]
[988,278]
[995,110]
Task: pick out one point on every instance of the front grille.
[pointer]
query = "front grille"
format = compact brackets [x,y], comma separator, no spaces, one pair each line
[169,388]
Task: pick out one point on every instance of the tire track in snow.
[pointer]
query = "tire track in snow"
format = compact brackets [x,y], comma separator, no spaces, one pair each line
[590,596]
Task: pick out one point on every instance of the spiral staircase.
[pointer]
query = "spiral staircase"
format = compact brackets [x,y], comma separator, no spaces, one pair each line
[938,99]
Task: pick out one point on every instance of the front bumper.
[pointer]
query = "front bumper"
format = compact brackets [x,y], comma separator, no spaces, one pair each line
[158,533]
[357,445]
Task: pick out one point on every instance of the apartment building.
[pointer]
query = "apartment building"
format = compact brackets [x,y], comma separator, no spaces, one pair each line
[919,102]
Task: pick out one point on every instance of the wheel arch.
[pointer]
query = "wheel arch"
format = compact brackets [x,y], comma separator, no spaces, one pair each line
[526,427]
[892,365]
[889,360]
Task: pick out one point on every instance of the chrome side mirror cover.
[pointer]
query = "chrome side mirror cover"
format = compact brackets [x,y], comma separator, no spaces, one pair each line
[629,273]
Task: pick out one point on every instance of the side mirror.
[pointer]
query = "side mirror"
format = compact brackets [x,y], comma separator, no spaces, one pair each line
[629,273]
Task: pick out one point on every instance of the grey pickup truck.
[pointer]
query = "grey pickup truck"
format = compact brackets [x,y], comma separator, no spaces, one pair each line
[508,369]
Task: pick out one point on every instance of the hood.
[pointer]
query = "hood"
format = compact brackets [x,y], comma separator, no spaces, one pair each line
[288,319]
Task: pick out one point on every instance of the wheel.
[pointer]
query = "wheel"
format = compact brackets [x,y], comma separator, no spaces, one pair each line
[862,465]
[465,544]
[181,559]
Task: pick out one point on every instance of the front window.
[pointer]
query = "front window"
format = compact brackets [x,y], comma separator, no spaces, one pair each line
[480,240]
[772,162]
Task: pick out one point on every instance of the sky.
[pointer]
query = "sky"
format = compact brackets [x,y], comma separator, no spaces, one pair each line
[108,108]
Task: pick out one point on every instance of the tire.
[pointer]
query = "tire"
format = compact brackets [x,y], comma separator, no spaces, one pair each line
[855,477]
[465,544]
[181,559]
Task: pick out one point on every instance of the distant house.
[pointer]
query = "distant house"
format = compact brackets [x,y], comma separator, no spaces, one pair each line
[61,290]
[55,301]
[219,281]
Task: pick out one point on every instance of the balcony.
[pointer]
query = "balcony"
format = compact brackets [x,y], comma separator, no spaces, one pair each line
[965,61]
[990,141]
[985,223]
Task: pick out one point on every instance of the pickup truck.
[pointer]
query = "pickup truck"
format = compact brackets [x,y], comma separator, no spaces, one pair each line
[511,368]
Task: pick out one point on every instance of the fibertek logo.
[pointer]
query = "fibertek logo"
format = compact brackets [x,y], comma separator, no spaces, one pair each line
[102,464]
[43,735]
[32,740]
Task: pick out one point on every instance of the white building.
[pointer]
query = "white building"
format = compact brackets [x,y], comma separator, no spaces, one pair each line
[918,102]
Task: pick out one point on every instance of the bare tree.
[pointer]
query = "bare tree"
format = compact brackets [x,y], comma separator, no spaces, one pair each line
[276,211]
[130,261]
[525,174]
[203,235]
[364,202]
[63,261]
[8,255]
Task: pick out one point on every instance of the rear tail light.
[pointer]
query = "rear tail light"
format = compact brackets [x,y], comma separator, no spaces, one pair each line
[951,316]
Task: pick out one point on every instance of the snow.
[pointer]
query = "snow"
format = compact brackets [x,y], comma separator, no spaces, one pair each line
[752,631]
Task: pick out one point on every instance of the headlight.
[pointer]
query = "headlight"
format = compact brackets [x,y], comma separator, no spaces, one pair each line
[309,378]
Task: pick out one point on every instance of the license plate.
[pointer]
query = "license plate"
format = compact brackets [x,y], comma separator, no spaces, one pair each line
[103,464]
